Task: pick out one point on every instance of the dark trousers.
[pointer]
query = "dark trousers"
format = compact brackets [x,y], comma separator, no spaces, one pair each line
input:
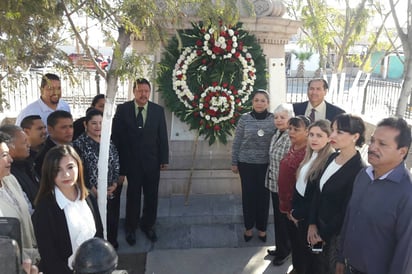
[302,258]
[282,240]
[113,215]
[147,182]
[255,196]
[325,262]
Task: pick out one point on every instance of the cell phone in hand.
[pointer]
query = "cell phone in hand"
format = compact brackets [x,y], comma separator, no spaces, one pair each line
[317,248]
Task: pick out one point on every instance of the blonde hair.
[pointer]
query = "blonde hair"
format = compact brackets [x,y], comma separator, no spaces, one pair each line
[317,166]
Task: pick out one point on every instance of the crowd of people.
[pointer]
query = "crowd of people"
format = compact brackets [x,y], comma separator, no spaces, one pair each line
[332,212]
[49,176]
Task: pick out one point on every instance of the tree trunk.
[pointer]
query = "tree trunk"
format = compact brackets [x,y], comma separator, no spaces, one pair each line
[301,69]
[406,88]
[112,79]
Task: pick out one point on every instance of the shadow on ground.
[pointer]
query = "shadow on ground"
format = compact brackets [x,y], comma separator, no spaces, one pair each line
[134,263]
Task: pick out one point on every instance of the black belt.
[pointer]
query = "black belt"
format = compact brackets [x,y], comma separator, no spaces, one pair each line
[353,270]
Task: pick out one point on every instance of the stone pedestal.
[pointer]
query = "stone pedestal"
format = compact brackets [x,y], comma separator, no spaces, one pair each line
[210,168]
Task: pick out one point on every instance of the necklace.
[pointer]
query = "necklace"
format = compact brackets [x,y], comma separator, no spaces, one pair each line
[260,116]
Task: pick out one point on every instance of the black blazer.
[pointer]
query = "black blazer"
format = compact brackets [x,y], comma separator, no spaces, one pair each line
[328,207]
[331,110]
[38,161]
[52,234]
[301,204]
[146,147]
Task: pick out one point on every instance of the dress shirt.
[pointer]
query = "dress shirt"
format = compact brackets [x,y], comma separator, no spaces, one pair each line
[301,181]
[377,231]
[144,111]
[320,112]
[79,218]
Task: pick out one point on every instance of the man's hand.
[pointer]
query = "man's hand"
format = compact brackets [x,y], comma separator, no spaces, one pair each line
[235,169]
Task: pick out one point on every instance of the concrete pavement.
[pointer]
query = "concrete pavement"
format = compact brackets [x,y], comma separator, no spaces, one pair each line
[204,236]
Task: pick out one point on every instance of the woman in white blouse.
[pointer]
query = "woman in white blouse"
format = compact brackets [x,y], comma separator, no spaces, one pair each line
[65,215]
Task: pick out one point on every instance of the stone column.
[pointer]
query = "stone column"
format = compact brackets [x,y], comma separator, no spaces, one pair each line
[212,174]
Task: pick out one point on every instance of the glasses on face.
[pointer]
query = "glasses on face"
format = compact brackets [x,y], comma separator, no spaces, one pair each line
[53,90]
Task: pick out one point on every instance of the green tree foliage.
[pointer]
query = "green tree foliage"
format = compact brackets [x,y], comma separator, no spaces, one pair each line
[28,33]
[330,29]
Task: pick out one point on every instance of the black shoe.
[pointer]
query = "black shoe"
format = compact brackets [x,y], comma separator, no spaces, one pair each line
[150,234]
[131,238]
[280,260]
[262,238]
[247,238]
[272,252]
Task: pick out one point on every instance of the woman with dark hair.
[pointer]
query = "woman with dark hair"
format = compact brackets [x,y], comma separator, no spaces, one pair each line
[65,215]
[250,159]
[98,102]
[298,133]
[88,146]
[334,189]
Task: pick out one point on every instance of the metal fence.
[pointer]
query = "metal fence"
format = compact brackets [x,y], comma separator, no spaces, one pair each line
[78,91]
[360,94]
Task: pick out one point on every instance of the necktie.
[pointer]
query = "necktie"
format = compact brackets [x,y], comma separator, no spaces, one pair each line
[312,115]
[140,118]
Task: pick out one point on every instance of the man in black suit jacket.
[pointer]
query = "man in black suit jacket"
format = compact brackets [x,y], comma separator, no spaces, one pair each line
[60,128]
[141,139]
[317,89]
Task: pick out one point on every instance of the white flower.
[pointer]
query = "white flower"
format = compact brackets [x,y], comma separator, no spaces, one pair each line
[207,36]
[234,38]
[221,39]
[209,52]
[231,32]
[211,30]
[213,56]
[207,117]
[234,45]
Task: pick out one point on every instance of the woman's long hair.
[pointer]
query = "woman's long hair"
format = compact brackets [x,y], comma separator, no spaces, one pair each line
[323,155]
[50,169]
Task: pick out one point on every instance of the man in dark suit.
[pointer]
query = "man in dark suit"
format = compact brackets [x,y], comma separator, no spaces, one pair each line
[60,128]
[317,108]
[140,134]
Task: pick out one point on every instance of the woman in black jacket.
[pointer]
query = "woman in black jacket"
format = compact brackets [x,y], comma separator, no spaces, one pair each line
[318,151]
[65,215]
[334,189]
